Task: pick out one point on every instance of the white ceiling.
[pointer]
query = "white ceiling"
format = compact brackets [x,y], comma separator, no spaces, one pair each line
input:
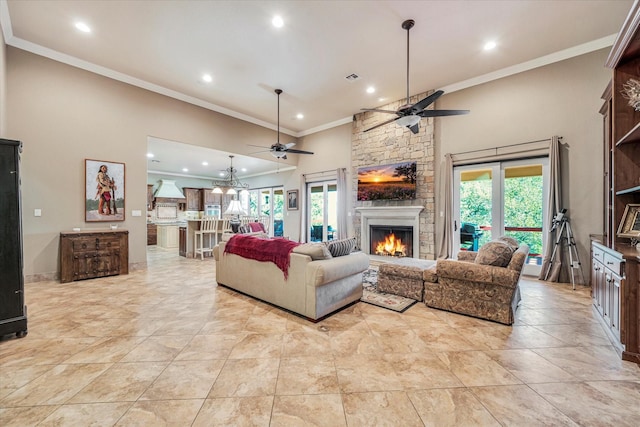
[166,46]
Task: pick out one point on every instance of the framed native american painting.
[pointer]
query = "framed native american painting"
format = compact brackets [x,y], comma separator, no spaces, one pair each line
[104,191]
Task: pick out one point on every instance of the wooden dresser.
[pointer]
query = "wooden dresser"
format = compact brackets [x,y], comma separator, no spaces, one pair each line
[93,253]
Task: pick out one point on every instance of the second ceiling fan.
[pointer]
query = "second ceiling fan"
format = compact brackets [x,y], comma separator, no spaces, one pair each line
[409,115]
[279,150]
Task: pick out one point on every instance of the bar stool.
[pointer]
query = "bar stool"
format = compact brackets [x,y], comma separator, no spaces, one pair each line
[208,226]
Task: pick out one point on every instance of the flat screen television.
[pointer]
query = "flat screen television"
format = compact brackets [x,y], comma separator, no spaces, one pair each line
[396,181]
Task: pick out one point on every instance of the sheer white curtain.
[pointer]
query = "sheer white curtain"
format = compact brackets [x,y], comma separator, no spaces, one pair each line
[446,201]
[342,203]
[302,208]
[554,204]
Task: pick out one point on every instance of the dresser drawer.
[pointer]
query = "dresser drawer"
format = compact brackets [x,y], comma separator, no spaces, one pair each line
[614,264]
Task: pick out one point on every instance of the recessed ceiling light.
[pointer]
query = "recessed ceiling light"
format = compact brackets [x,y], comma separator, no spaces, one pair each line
[243,169]
[299,116]
[221,173]
[277,21]
[371,89]
[81,26]
[185,170]
[149,155]
[381,99]
[207,78]
[490,45]
[205,163]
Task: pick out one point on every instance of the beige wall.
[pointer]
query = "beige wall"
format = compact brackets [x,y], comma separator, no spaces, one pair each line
[558,99]
[64,115]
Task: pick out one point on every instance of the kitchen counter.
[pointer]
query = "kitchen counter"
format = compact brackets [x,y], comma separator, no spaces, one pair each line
[192,226]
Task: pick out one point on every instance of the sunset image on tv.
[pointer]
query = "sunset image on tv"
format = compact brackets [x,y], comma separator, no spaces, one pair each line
[387,182]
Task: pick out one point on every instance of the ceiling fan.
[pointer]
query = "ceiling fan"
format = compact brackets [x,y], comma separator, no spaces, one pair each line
[278,150]
[409,115]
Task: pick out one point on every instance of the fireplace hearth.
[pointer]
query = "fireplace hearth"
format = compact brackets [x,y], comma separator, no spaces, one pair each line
[395,241]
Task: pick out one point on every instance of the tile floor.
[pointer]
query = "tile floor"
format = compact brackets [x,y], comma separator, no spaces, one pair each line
[165,346]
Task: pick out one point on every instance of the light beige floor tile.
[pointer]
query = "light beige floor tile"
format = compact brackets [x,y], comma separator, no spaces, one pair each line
[55,386]
[94,414]
[157,349]
[445,338]
[591,363]
[235,411]
[518,405]
[450,407]
[161,413]
[25,415]
[530,367]
[184,379]
[360,373]
[358,340]
[122,382]
[577,334]
[298,344]
[421,371]
[475,368]
[169,331]
[108,349]
[246,377]
[387,408]
[610,403]
[208,347]
[308,410]
[307,375]
[258,345]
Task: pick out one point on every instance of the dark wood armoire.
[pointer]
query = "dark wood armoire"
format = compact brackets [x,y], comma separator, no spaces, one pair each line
[13,312]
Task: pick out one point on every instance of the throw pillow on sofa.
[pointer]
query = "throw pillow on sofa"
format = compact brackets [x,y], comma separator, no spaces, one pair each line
[316,251]
[510,241]
[341,247]
[496,253]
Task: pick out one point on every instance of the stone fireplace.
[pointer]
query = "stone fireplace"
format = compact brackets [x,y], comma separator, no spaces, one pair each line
[392,144]
[390,218]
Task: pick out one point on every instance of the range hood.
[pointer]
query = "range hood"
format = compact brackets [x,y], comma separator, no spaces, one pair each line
[168,190]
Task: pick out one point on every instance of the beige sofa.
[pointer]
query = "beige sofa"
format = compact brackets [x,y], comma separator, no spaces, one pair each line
[485,291]
[313,289]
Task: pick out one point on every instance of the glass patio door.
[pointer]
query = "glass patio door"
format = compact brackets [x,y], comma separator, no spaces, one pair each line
[502,198]
[322,211]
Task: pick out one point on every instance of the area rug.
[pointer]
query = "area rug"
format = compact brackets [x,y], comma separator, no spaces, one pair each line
[371,295]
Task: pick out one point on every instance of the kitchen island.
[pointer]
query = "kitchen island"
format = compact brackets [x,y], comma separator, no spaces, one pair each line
[168,234]
[192,226]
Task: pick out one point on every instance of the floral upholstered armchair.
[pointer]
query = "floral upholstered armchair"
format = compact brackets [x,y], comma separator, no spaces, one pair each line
[482,284]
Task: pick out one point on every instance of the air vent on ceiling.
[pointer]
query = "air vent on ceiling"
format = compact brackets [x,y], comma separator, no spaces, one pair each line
[352,77]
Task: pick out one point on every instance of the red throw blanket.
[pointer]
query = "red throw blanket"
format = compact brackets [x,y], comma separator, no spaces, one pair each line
[275,250]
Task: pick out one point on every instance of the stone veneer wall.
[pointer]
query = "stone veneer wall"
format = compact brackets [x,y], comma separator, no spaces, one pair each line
[393,144]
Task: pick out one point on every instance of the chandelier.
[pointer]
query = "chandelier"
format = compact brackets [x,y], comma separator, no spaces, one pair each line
[230,184]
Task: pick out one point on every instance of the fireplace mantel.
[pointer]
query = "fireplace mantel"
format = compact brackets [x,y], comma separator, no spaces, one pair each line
[389,215]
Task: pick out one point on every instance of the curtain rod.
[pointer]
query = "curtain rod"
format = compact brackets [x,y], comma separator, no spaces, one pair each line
[319,173]
[504,146]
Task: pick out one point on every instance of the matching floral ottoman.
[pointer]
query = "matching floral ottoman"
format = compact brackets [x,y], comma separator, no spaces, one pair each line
[406,277]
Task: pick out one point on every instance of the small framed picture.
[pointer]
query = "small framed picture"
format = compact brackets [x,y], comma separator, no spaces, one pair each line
[292,200]
[104,191]
[630,223]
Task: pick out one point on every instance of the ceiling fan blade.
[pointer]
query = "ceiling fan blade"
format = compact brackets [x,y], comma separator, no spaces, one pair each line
[260,152]
[421,105]
[289,145]
[381,124]
[439,113]
[259,146]
[294,151]
[379,111]
[415,128]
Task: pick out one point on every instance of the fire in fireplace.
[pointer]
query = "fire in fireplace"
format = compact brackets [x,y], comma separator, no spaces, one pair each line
[394,241]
